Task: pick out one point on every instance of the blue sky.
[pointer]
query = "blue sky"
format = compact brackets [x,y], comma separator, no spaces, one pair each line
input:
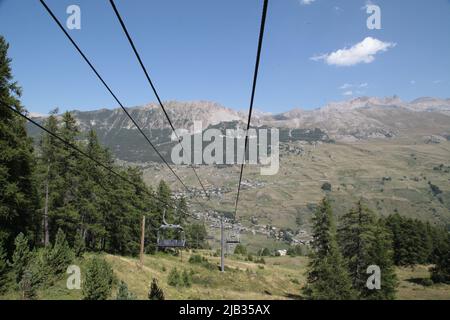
[205,50]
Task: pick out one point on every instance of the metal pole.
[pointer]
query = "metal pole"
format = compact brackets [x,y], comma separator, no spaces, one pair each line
[222,258]
[142,241]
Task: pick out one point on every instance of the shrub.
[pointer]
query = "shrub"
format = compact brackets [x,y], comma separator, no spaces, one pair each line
[196,259]
[27,286]
[240,249]
[123,293]
[99,280]
[326,186]
[174,278]
[186,277]
[155,292]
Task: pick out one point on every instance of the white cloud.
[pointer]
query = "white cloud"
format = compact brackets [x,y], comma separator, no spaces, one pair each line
[362,52]
[306,2]
[346,86]
[348,93]
[349,85]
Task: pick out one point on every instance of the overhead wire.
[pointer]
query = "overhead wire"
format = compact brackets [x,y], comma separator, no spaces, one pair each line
[255,79]
[150,82]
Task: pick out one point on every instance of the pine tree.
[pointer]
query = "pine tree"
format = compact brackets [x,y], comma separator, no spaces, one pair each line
[99,280]
[61,255]
[440,273]
[155,292]
[123,293]
[17,189]
[381,253]
[412,242]
[4,279]
[327,277]
[181,212]
[365,242]
[79,246]
[165,195]
[21,256]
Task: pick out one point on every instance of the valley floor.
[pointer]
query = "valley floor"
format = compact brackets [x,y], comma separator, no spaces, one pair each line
[278,278]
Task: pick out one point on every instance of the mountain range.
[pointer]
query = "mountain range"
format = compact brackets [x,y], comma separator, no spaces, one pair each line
[357,119]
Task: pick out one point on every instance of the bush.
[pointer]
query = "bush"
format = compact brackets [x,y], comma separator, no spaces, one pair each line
[174,278]
[155,292]
[177,279]
[240,249]
[326,186]
[123,293]
[27,286]
[99,280]
[265,252]
[186,277]
[295,251]
[196,259]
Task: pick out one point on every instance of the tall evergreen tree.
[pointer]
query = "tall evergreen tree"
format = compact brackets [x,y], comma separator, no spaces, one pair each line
[440,273]
[365,242]
[17,190]
[327,277]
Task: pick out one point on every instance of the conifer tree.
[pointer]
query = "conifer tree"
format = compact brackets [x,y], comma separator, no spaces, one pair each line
[17,190]
[327,277]
[155,292]
[3,270]
[365,242]
[79,246]
[61,255]
[98,281]
[123,293]
[21,256]
[181,212]
[440,273]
